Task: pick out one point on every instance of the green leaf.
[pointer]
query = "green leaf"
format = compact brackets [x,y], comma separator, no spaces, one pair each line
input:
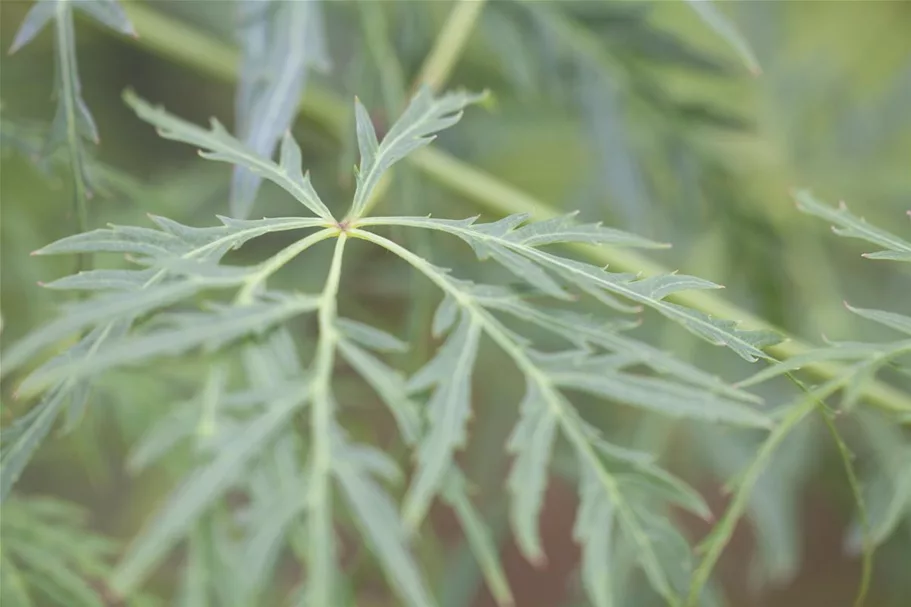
[593,530]
[416,127]
[376,517]
[219,144]
[107,12]
[281,41]
[479,538]
[649,291]
[531,442]
[100,309]
[371,337]
[389,384]
[661,396]
[447,414]
[102,280]
[202,488]
[899,322]
[186,331]
[22,438]
[722,26]
[37,17]
[851,226]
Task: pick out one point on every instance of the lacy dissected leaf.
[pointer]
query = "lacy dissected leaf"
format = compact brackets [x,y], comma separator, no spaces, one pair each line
[587,333]
[357,469]
[176,334]
[531,442]
[219,144]
[73,122]
[722,26]
[650,291]
[202,488]
[844,223]
[390,386]
[622,474]
[479,538]
[425,116]
[281,41]
[22,438]
[595,375]
[447,413]
[48,554]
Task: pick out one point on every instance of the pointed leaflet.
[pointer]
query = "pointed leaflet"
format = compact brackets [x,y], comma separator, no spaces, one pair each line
[649,291]
[219,144]
[479,539]
[415,128]
[849,225]
[107,12]
[355,467]
[37,17]
[202,488]
[722,26]
[389,384]
[24,436]
[174,239]
[593,531]
[371,337]
[661,396]
[899,322]
[448,411]
[280,42]
[186,331]
[531,442]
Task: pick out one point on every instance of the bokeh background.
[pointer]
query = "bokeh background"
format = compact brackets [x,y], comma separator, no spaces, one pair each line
[636,114]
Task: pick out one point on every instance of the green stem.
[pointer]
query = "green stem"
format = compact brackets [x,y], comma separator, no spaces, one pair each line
[280,259]
[321,540]
[450,43]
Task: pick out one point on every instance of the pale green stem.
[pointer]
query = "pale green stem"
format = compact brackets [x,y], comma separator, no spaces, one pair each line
[450,43]
[320,537]
[558,406]
[279,260]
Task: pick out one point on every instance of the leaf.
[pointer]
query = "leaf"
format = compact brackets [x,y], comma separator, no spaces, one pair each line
[479,539]
[899,322]
[208,330]
[849,225]
[389,385]
[218,144]
[22,439]
[448,411]
[175,239]
[107,12]
[663,397]
[102,280]
[649,291]
[593,530]
[416,127]
[371,337]
[376,517]
[103,308]
[722,26]
[531,442]
[203,487]
[37,17]
[281,41]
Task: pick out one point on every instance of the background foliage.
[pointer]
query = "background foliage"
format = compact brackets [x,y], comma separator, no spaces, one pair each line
[640,115]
